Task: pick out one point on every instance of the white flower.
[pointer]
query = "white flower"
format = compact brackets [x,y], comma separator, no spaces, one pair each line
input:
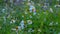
[57,6]
[26,12]
[56,23]
[13,29]
[19,27]
[51,10]
[57,0]
[22,24]
[31,8]
[3,10]
[30,30]
[12,21]
[39,30]
[33,30]
[34,13]
[29,21]
[23,16]
[51,23]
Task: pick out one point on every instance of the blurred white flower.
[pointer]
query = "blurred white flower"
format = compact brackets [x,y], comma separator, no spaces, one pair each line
[33,30]
[13,29]
[34,13]
[29,21]
[56,23]
[51,10]
[26,12]
[56,6]
[39,30]
[29,30]
[23,16]
[32,8]
[57,0]
[12,21]
[3,10]
[51,23]
[22,24]
[19,27]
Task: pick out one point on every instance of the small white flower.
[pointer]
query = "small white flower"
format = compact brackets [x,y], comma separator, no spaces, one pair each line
[13,12]
[56,23]
[22,24]
[12,21]
[31,8]
[39,30]
[34,13]
[30,30]
[3,10]
[22,15]
[51,23]
[57,6]
[29,21]
[51,10]
[26,12]
[19,27]
[38,4]
[13,29]
[57,0]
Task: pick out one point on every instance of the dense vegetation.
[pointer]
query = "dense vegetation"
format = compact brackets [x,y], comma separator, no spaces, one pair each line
[43,22]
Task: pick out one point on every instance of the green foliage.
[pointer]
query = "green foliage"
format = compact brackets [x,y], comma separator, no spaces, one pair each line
[41,22]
